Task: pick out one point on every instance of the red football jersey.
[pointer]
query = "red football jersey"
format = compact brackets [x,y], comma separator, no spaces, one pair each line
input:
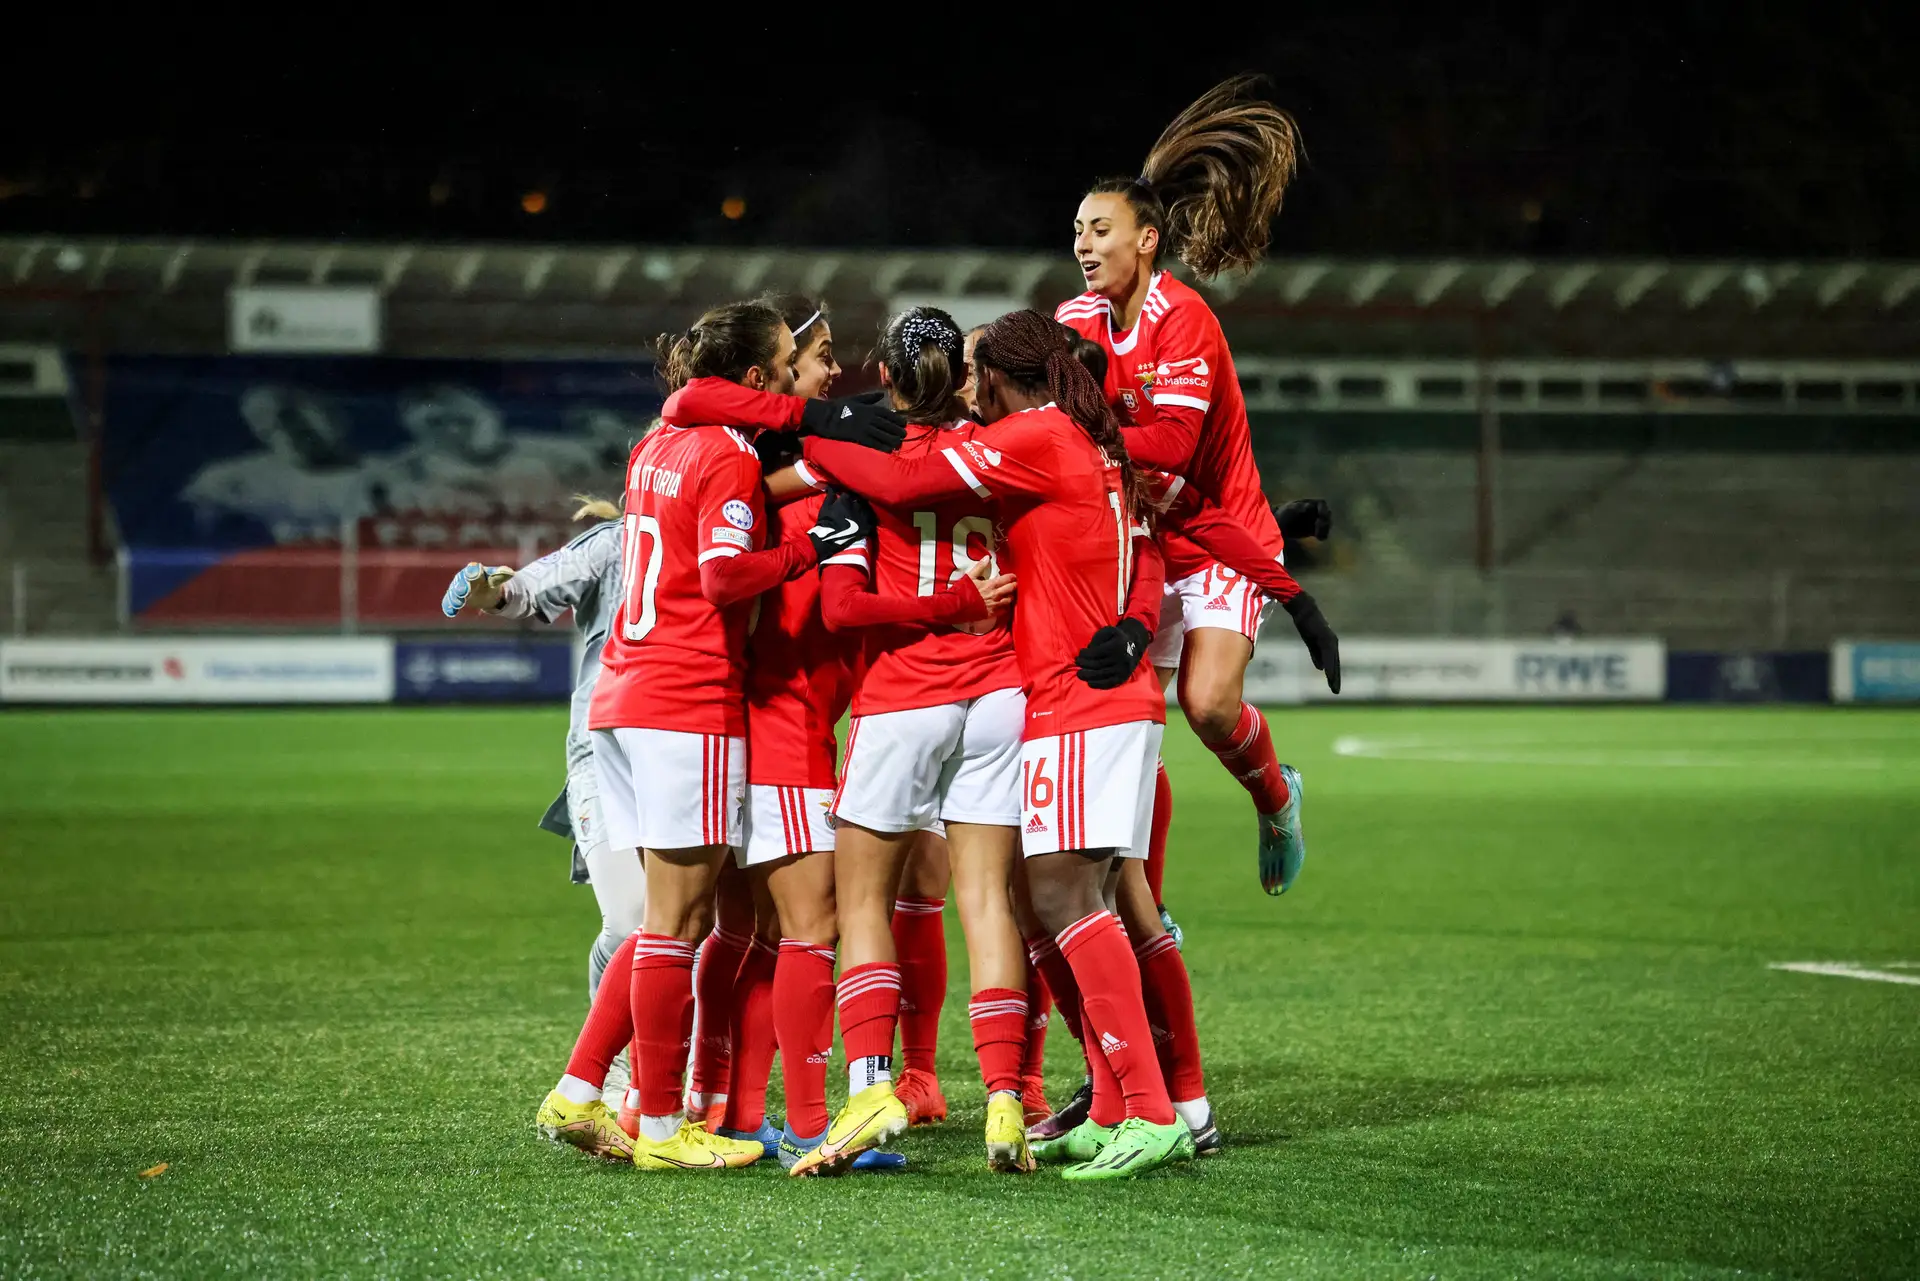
[674,660]
[1175,361]
[798,680]
[1068,534]
[921,550]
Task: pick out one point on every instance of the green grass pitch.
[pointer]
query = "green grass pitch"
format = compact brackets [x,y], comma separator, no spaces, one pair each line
[1517,1019]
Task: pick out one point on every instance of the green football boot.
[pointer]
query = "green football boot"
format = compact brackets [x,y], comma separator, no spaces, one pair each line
[1082,1143]
[1137,1146]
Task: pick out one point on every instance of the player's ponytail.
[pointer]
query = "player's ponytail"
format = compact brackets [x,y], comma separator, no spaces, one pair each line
[726,342]
[925,355]
[1215,179]
[595,508]
[1036,353]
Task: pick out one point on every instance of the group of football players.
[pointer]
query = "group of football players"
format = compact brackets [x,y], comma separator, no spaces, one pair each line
[998,563]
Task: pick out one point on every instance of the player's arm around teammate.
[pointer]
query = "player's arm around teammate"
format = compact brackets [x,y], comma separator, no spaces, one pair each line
[668,716]
[1051,461]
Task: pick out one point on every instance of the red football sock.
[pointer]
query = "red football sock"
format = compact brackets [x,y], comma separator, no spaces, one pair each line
[1045,957]
[1157,836]
[1039,1009]
[999,1018]
[662,1019]
[869,997]
[720,958]
[1247,752]
[609,1022]
[753,1038]
[803,1023]
[920,941]
[1114,1013]
[1169,998]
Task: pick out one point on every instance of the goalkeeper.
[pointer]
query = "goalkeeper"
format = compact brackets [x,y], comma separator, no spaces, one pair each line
[583,576]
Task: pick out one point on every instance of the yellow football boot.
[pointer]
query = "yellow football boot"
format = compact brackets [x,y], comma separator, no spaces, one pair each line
[871,1119]
[692,1148]
[591,1127]
[1007,1150]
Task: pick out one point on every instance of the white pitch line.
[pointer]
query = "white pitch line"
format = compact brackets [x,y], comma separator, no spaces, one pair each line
[1847,970]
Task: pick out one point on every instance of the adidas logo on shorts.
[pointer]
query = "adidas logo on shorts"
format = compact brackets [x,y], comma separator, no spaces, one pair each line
[1109,1043]
[1036,824]
[1218,602]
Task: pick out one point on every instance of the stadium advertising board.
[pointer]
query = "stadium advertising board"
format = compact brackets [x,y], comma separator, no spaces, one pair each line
[1745,676]
[1876,672]
[293,319]
[324,670]
[502,671]
[1450,670]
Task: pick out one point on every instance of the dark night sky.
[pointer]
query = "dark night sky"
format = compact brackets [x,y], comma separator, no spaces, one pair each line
[1789,131]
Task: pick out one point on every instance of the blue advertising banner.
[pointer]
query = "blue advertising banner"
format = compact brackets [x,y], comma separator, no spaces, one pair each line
[255,451]
[482,671]
[1876,672]
[1695,676]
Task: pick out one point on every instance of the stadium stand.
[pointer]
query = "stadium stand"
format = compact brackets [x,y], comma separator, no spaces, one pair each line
[1512,447]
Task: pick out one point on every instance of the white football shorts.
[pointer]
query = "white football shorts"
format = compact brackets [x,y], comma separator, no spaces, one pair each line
[783,821]
[957,762]
[1214,597]
[1090,791]
[664,789]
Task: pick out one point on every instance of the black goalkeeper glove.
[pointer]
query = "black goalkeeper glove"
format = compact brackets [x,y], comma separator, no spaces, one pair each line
[845,519]
[855,421]
[1113,653]
[1323,647]
[1304,518]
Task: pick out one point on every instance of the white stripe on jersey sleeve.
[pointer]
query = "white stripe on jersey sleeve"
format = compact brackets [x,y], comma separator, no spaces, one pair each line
[1174,487]
[966,473]
[807,474]
[713,552]
[1191,402]
[855,555]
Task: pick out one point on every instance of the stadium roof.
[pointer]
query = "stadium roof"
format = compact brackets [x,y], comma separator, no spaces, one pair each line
[444,297]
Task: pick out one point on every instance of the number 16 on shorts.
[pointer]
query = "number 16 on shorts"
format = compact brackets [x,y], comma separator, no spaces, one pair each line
[1089,791]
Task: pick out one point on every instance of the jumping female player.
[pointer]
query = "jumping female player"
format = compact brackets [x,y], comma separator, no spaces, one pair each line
[669,715]
[1206,194]
[1050,460]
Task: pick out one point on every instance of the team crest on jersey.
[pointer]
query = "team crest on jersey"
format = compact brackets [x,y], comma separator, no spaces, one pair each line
[1128,399]
[738,514]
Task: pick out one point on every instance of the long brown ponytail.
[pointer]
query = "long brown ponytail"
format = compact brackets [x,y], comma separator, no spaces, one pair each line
[1035,351]
[1215,179]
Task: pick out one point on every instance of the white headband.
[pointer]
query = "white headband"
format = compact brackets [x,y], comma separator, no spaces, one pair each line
[807,324]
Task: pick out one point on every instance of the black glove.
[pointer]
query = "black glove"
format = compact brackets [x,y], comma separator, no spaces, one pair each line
[1113,653]
[878,396]
[776,450]
[1323,647]
[854,421]
[844,520]
[1304,518]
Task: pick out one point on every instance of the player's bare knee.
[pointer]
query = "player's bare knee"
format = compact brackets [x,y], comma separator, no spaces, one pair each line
[1212,713]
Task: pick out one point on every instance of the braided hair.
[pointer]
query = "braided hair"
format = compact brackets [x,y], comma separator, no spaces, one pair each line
[1214,181]
[1036,353]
